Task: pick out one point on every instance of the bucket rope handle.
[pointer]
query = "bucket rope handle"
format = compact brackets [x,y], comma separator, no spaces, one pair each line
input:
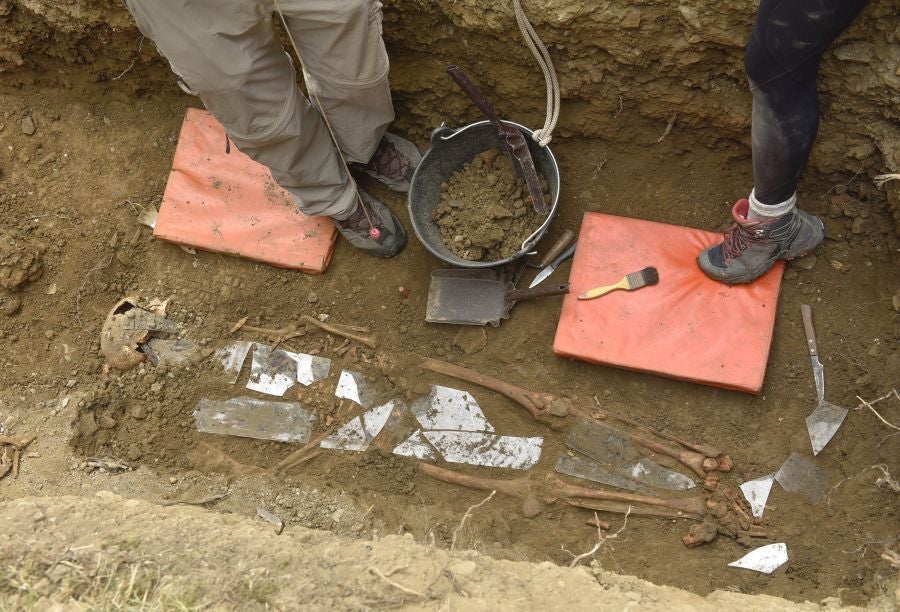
[544,135]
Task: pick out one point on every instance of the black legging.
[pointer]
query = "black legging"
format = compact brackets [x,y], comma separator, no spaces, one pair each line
[782,61]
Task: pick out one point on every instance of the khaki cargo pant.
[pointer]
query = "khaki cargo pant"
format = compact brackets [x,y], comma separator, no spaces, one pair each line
[227,53]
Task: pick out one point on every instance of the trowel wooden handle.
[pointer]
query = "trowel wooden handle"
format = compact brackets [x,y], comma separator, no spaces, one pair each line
[526,294]
[556,249]
[806,313]
[456,73]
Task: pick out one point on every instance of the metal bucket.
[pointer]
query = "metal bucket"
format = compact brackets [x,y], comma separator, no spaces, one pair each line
[451,150]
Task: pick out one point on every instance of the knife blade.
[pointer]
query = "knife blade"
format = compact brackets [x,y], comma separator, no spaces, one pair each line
[553,265]
[817,367]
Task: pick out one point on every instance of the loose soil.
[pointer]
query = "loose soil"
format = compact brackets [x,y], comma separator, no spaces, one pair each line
[73,191]
[87,550]
[485,212]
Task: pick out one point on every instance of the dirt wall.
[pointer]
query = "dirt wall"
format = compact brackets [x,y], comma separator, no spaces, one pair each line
[616,60]
[106,551]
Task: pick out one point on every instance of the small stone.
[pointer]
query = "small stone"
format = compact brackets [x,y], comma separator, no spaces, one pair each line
[49,334]
[10,304]
[790,274]
[28,127]
[470,339]
[463,568]
[851,209]
[875,350]
[859,225]
[834,228]
[172,480]
[808,262]
[38,516]
[488,156]
[312,298]
[631,20]
[138,411]
[896,301]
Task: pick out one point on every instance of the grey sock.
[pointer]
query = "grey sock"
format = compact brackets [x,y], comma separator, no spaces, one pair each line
[760,211]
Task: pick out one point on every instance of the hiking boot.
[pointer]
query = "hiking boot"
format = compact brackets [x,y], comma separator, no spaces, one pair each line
[385,239]
[394,162]
[751,247]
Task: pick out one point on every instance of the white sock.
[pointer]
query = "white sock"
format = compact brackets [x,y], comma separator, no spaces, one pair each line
[760,211]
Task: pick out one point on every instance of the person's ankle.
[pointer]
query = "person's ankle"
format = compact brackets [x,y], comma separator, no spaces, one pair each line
[348,213]
[759,211]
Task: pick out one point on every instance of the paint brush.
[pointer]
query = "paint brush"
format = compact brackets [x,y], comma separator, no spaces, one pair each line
[635,280]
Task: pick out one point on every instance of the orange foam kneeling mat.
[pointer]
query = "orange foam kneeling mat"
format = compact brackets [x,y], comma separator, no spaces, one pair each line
[686,327]
[227,203]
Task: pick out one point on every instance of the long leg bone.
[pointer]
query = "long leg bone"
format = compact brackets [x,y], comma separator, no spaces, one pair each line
[622,508]
[540,403]
[278,336]
[709,451]
[700,464]
[519,488]
[283,334]
[694,506]
[534,402]
[345,331]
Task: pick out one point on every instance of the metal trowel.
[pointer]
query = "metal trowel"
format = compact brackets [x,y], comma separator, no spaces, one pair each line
[477,296]
[827,418]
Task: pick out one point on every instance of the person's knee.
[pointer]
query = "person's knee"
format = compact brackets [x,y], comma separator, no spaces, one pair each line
[758,61]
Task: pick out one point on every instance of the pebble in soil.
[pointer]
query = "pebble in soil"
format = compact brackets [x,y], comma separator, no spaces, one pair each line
[485,212]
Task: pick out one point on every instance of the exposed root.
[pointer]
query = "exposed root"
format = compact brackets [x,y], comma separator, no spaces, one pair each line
[601,539]
[881,179]
[870,406]
[668,129]
[377,572]
[465,517]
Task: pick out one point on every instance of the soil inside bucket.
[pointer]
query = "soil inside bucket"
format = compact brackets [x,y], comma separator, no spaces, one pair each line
[485,213]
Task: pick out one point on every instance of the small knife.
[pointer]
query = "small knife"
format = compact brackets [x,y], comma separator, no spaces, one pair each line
[553,265]
[817,367]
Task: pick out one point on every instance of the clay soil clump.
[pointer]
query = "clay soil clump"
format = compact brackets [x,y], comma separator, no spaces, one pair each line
[485,213]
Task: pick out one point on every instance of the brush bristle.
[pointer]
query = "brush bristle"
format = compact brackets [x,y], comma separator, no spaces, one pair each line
[643,278]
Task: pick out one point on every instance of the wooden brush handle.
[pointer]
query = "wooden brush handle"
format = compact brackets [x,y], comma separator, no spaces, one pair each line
[601,291]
